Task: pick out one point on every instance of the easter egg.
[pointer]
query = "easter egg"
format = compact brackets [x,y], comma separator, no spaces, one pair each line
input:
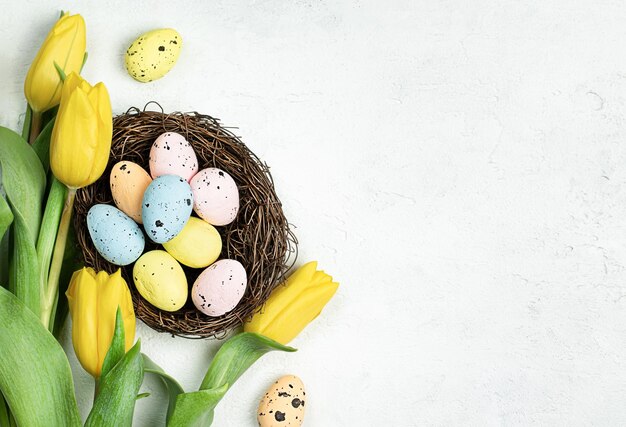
[283,403]
[216,197]
[219,288]
[114,234]
[153,54]
[198,245]
[166,207]
[128,182]
[160,279]
[172,154]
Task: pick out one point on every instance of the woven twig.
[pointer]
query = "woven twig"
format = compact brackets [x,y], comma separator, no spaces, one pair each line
[260,237]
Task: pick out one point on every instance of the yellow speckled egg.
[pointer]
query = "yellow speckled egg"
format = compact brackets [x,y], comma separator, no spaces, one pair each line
[198,245]
[160,279]
[283,403]
[153,54]
[128,183]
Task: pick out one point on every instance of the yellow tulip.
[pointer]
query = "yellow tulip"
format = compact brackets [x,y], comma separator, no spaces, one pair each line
[81,138]
[65,45]
[294,305]
[93,300]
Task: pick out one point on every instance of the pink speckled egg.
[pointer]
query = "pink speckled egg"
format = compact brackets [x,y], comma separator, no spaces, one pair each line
[219,288]
[172,154]
[215,196]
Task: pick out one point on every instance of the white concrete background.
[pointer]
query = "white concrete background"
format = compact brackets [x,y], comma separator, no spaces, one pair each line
[459,167]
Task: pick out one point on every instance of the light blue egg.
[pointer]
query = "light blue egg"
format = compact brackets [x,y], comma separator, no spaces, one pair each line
[114,234]
[166,207]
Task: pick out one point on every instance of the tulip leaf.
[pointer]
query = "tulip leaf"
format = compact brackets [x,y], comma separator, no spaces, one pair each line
[24,181]
[6,216]
[60,71]
[35,375]
[23,178]
[236,355]
[173,387]
[41,146]
[118,345]
[115,403]
[196,409]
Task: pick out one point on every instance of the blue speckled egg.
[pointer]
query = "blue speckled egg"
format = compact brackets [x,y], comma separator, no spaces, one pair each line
[167,204]
[114,234]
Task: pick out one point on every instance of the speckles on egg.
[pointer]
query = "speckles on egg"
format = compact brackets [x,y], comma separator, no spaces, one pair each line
[116,237]
[283,403]
[166,207]
[172,154]
[216,197]
[153,54]
[219,288]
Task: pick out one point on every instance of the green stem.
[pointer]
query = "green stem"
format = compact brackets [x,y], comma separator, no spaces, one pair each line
[52,287]
[35,127]
[96,389]
[26,125]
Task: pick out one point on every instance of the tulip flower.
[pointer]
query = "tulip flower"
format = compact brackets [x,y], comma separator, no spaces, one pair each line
[65,45]
[79,153]
[93,301]
[293,306]
[81,138]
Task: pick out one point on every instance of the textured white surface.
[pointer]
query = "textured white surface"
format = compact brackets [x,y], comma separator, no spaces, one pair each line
[459,167]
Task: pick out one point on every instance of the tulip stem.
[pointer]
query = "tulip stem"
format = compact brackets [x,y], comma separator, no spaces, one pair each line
[52,287]
[35,127]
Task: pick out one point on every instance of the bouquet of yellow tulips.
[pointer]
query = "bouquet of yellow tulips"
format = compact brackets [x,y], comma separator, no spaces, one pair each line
[64,145]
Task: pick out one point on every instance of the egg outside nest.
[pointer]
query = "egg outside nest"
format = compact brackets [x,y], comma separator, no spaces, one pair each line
[260,237]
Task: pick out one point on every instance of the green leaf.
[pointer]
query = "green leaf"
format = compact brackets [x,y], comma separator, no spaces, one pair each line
[49,228]
[23,178]
[41,145]
[35,375]
[236,355]
[115,402]
[24,181]
[4,412]
[196,408]
[117,347]
[60,71]
[6,216]
[173,388]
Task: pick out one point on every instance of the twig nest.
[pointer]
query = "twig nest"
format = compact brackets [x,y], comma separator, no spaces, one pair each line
[258,238]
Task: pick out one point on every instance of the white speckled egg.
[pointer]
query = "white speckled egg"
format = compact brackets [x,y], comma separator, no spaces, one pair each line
[283,403]
[216,197]
[167,204]
[219,288]
[172,154]
[153,54]
[114,234]
[128,182]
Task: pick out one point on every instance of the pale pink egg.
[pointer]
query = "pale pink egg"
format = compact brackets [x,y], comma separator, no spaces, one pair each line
[172,154]
[220,287]
[215,196]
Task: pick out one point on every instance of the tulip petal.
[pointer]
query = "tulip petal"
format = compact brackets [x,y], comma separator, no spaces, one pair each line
[294,317]
[82,296]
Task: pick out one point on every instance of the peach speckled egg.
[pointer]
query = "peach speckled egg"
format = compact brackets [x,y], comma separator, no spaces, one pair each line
[172,154]
[219,288]
[283,403]
[128,182]
[215,196]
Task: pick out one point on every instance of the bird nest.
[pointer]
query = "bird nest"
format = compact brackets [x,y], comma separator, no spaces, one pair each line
[260,237]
